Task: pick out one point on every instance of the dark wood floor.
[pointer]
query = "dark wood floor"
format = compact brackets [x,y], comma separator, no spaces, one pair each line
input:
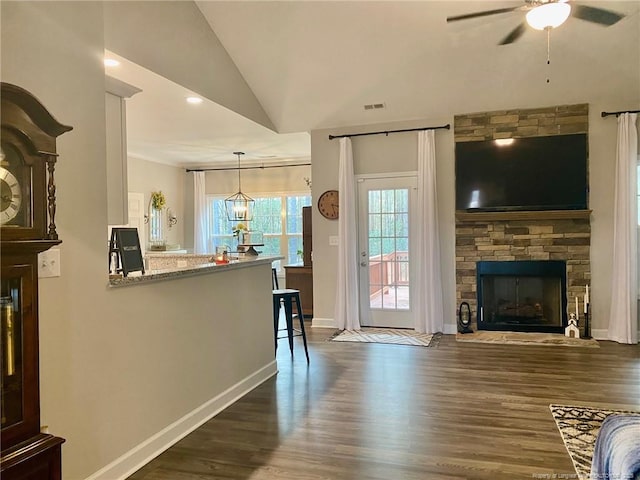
[389,412]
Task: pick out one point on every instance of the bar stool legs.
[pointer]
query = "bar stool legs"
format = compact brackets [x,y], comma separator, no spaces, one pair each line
[304,335]
[287,296]
[276,318]
[288,315]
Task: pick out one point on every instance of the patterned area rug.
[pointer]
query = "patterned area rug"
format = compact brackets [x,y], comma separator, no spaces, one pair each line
[579,427]
[526,338]
[396,336]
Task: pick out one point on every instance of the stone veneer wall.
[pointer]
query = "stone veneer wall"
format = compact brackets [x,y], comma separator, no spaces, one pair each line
[505,240]
[506,236]
[536,122]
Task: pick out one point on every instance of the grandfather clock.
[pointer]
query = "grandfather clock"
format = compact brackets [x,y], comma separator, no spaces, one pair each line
[27,227]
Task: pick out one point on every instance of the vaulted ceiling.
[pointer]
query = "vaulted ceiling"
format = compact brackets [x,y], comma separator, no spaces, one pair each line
[315,64]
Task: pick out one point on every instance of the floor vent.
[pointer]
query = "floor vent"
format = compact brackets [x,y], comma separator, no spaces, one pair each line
[374,106]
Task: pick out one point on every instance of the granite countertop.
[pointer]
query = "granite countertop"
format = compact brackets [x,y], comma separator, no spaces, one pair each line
[136,278]
[176,253]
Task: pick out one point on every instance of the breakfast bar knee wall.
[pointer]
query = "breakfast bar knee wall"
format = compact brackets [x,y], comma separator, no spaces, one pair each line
[207,330]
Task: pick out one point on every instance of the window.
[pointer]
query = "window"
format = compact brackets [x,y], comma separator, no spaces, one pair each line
[277,216]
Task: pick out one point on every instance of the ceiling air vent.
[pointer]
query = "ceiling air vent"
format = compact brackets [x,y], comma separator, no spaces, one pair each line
[374,106]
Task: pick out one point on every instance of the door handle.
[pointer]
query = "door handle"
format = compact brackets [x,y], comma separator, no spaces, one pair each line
[363,264]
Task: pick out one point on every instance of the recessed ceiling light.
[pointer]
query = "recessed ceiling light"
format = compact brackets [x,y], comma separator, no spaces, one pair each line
[111,62]
[194,100]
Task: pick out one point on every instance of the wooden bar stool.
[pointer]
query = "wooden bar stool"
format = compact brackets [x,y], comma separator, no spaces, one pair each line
[287,296]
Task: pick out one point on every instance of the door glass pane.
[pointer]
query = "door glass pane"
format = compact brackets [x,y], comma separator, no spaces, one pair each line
[374,201]
[388,224]
[388,199]
[374,226]
[402,225]
[375,247]
[389,249]
[402,201]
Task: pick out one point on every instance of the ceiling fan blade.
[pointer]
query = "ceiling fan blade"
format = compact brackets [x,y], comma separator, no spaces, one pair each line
[596,15]
[483,14]
[514,34]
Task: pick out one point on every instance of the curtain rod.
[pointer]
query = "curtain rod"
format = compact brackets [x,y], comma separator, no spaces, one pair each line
[387,132]
[246,168]
[606,114]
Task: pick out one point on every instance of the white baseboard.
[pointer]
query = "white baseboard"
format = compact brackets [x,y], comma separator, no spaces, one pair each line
[450,329]
[600,334]
[604,334]
[323,323]
[142,454]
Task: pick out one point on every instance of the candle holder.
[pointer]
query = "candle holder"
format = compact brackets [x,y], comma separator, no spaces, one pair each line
[221,257]
[587,325]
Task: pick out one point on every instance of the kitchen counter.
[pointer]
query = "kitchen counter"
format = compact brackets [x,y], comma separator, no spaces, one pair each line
[136,278]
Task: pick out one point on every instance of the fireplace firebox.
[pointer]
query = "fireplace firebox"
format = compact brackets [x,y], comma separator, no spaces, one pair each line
[522,296]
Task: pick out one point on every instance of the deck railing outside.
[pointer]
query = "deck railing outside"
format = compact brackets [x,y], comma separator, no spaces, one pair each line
[391,269]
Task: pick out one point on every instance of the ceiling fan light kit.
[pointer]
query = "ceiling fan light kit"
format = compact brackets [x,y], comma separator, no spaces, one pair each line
[545,15]
[548,15]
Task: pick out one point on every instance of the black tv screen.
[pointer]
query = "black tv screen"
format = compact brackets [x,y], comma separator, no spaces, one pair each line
[535,173]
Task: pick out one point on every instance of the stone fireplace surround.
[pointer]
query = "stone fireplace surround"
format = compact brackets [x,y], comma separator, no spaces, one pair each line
[507,236]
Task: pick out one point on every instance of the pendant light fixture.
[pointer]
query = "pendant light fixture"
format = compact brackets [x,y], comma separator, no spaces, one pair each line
[239,206]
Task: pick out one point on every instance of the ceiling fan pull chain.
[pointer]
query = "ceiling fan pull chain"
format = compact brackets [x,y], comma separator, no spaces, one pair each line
[548,50]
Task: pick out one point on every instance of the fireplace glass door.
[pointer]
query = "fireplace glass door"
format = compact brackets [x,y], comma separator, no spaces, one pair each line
[521,303]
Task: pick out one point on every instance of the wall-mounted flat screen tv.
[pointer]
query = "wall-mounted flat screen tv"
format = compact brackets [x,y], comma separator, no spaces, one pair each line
[535,173]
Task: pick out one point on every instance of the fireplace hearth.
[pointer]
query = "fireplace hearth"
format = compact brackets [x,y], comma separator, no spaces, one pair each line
[522,296]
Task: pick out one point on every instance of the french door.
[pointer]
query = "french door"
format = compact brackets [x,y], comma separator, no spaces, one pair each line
[386,230]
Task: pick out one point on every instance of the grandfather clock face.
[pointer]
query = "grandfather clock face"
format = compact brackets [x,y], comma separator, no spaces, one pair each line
[15,189]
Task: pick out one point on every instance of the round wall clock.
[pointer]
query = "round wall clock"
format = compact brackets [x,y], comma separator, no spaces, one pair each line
[328,204]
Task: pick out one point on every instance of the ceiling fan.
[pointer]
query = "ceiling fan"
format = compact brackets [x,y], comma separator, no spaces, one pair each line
[546,14]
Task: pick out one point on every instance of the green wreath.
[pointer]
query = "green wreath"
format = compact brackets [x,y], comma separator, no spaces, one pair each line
[157,200]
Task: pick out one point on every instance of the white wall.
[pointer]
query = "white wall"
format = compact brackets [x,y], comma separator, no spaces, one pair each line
[286,179]
[378,154]
[180,45]
[117,365]
[398,152]
[254,182]
[146,177]
[607,82]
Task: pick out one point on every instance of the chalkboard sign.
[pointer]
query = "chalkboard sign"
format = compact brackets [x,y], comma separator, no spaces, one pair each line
[126,244]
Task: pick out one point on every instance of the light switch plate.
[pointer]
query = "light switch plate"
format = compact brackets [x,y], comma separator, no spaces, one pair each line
[333,240]
[49,263]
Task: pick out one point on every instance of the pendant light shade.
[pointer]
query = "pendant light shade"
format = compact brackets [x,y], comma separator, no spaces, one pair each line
[549,15]
[239,206]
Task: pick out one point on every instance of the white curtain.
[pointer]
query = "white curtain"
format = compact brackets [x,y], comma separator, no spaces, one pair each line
[623,317]
[200,214]
[347,309]
[428,298]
